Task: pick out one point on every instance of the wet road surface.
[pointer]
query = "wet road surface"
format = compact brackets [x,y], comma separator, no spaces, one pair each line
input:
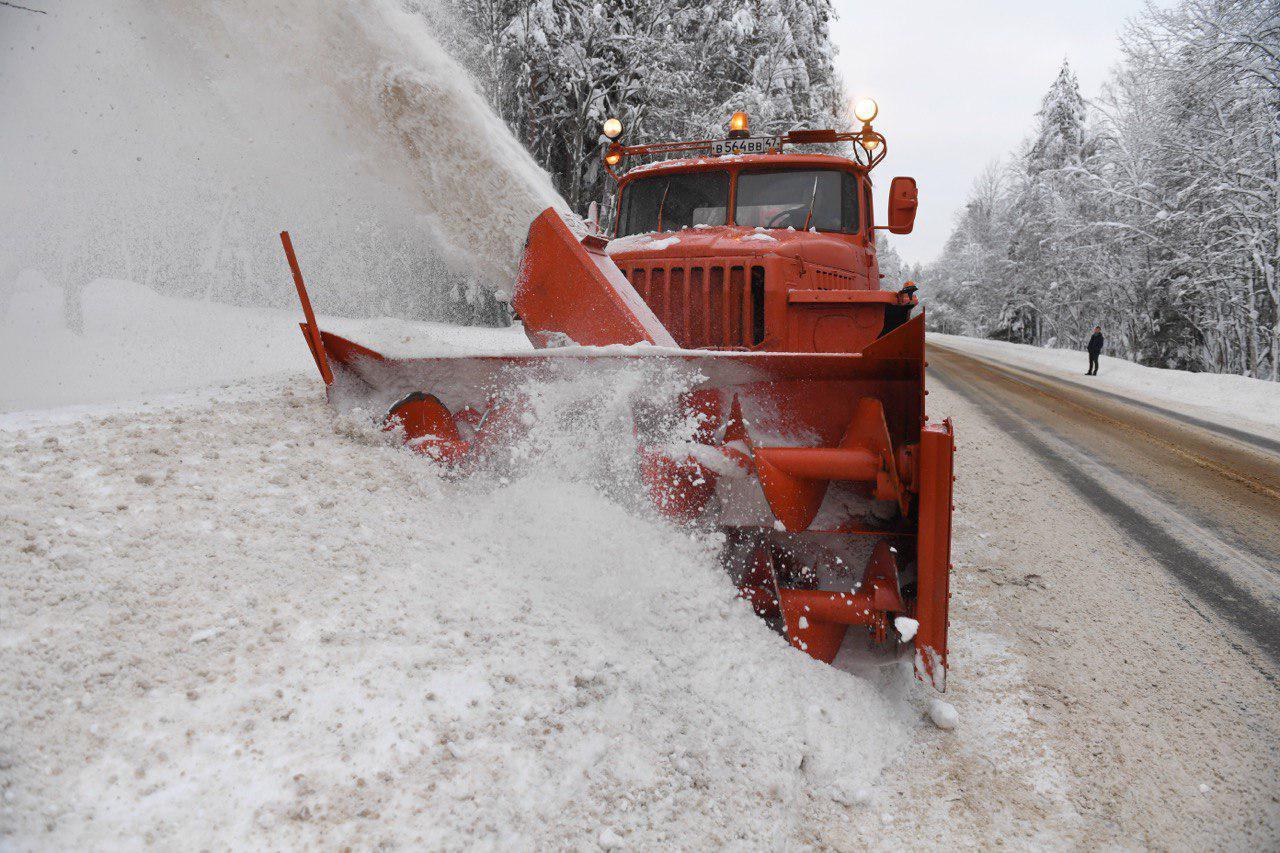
[1202,498]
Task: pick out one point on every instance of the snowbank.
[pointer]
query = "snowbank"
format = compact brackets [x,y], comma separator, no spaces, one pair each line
[229,624]
[1216,396]
[232,620]
[138,343]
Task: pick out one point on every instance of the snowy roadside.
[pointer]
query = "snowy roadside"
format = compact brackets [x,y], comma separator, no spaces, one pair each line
[229,619]
[138,343]
[1233,400]
[1161,730]
[229,622]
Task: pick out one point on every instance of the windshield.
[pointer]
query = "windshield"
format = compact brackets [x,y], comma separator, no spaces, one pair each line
[824,199]
[672,202]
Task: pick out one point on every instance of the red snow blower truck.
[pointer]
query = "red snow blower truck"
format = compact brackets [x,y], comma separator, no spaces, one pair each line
[753,269]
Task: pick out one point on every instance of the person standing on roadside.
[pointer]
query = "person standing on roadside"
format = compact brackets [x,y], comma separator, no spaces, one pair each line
[1095,350]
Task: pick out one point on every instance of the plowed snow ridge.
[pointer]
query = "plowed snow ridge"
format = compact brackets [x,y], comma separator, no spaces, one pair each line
[231,623]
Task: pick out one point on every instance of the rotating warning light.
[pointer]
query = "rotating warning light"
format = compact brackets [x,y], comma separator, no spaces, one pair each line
[739,124]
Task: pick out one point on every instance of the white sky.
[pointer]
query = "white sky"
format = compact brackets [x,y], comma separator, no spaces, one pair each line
[959,83]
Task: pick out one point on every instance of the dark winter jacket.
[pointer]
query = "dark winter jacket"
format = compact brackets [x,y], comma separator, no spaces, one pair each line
[1095,343]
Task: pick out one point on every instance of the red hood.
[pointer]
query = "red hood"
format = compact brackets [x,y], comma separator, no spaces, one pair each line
[839,251]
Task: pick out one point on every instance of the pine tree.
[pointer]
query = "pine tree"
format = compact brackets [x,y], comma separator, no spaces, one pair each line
[668,70]
[1038,268]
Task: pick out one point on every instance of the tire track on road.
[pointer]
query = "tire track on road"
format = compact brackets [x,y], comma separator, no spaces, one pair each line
[1239,584]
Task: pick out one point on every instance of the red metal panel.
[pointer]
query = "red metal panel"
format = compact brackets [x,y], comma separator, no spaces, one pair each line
[677,320]
[715,308]
[570,286]
[734,307]
[639,278]
[933,552]
[658,293]
[827,278]
[697,308]
[838,297]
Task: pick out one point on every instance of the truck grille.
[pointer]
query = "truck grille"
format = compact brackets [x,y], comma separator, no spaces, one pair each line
[705,305]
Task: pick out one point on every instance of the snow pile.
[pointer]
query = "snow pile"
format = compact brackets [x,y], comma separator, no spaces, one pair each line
[636,242]
[229,624]
[1221,396]
[136,343]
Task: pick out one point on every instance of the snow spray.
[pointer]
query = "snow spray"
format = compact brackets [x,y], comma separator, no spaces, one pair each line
[168,143]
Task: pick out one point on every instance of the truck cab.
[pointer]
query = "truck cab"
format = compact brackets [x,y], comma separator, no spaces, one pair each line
[770,251]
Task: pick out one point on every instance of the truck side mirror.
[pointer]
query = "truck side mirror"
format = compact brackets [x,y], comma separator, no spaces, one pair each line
[902,205]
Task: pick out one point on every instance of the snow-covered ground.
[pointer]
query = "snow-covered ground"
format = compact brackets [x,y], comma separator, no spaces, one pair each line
[231,618]
[1229,399]
[138,343]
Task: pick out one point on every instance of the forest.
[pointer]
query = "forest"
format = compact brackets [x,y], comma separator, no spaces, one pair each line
[556,69]
[1152,208]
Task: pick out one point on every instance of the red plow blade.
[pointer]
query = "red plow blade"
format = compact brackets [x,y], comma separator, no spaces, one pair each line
[834,491]
[800,425]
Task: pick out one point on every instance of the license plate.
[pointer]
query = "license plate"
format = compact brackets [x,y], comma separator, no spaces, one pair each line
[750,145]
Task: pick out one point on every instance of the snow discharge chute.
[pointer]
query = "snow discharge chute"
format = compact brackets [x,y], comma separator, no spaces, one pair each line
[799,429]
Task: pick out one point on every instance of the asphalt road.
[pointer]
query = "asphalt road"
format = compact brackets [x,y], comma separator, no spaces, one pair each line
[1203,499]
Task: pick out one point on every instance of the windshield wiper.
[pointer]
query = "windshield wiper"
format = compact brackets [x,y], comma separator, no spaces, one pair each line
[665,188]
[812,199]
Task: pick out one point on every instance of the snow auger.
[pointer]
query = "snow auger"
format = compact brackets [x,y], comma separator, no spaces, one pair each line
[754,270]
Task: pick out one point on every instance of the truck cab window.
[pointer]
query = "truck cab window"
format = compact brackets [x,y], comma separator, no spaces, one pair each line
[824,199]
[672,202]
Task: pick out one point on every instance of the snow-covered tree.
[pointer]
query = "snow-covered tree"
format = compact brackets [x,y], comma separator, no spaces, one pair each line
[555,69]
[1153,210]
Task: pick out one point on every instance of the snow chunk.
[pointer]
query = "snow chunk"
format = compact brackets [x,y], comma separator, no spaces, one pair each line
[943,714]
[849,793]
[204,635]
[765,238]
[906,626]
[638,242]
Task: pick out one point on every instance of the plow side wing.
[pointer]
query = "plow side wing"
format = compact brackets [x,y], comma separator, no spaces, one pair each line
[933,552]
[570,287]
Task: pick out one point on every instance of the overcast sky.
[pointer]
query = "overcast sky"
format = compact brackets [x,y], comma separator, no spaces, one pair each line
[959,84]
